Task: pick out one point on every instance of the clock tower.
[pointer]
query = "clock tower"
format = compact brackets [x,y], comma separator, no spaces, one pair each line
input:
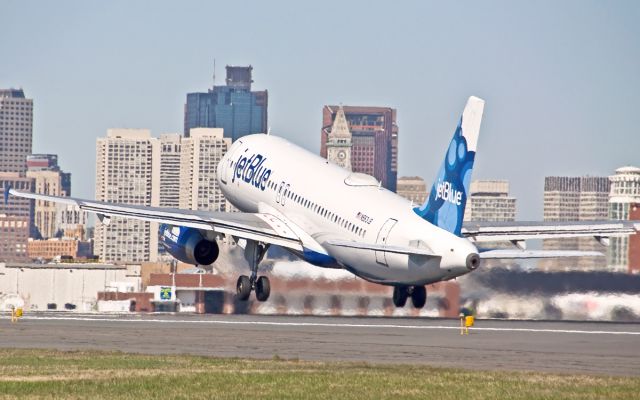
[339,141]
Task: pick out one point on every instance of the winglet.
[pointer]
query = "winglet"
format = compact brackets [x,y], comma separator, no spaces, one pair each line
[7,190]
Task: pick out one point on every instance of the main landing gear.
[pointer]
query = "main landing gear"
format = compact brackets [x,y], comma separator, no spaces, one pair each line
[418,295]
[254,253]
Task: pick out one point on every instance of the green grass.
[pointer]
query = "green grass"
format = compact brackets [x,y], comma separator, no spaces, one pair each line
[98,375]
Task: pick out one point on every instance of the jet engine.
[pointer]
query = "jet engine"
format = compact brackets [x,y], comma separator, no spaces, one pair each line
[188,245]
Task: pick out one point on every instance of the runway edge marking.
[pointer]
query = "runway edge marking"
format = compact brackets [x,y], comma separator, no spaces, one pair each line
[328,325]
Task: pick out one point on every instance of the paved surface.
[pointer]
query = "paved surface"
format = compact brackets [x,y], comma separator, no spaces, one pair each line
[571,347]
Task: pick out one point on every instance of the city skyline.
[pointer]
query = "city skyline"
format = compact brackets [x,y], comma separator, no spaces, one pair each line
[560,87]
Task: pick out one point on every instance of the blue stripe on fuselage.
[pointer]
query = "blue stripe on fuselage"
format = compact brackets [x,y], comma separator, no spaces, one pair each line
[319,259]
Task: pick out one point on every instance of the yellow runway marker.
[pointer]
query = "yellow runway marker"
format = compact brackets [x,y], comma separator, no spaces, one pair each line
[466,322]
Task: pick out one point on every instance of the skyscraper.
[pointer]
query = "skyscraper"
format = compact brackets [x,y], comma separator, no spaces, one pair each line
[16,130]
[374,140]
[568,198]
[233,107]
[49,180]
[624,204]
[127,171]
[201,153]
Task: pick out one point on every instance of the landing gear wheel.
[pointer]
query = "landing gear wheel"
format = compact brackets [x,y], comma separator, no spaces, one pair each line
[243,288]
[400,296]
[419,296]
[263,288]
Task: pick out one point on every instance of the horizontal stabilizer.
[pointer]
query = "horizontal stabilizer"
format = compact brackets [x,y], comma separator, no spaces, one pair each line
[511,231]
[379,247]
[523,254]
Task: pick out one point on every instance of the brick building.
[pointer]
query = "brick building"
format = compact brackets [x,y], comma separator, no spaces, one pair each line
[374,140]
[16,217]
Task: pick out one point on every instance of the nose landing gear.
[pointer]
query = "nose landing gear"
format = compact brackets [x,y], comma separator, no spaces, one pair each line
[401,294]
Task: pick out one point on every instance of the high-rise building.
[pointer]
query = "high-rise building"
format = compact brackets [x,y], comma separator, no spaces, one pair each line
[413,188]
[48,180]
[170,152]
[232,107]
[489,200]
[568,198]
[127,171]
[201,153]
[16,130]
[339,141]
[15,218]
[624,204]
[374,140]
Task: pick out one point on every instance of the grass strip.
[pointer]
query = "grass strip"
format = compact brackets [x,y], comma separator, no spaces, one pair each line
[43,374]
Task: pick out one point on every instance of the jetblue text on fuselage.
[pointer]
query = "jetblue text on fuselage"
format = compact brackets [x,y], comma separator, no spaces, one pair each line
[252,171]
[446,192]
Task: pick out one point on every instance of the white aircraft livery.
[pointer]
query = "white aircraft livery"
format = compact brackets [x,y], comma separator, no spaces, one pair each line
[335,218]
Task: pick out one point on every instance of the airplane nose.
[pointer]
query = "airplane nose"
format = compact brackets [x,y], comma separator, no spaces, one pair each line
[473,261]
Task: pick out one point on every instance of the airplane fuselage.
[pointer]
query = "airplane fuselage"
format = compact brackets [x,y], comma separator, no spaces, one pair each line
[324,202]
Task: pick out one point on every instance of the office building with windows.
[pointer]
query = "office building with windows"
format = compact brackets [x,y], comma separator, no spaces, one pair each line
[48,180]
[624,204]
[413,188]
[16,130]
[201,153]
[127,171]
[570,198]
[489,200]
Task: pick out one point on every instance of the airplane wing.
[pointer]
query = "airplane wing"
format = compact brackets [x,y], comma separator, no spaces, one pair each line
[504,254]
[259,226]
[519,231]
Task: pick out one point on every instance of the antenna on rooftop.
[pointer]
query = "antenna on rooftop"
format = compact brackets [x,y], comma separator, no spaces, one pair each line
[214,72]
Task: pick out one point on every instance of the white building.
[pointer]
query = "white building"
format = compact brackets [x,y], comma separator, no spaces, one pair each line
[127,171]
[624,199]
[412,188]
[489,200]
[72,221]
[62,286]
[201,153]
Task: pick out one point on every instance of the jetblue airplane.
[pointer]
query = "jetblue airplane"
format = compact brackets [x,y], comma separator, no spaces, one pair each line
[335,218]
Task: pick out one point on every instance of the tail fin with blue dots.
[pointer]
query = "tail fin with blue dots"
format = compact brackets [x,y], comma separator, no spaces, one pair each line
[446,202]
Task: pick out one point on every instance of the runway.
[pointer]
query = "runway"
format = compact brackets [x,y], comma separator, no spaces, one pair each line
[570,347]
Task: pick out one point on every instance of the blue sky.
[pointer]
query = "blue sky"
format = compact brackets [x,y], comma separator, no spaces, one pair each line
[561,79]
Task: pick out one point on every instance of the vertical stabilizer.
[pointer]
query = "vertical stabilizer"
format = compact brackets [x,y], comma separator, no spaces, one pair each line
[446,202]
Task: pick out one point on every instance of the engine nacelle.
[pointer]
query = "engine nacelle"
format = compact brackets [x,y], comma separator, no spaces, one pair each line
[188,245]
